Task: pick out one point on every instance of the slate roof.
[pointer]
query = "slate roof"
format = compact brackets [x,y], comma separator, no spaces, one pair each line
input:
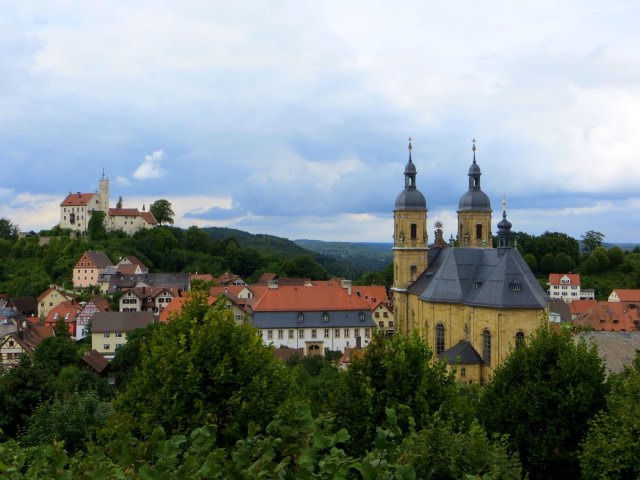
[491,277]
[559,306]
[120,321]
[462,353]
[617,349]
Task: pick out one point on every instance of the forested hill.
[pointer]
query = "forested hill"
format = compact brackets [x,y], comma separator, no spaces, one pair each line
[357,262]
[369,256]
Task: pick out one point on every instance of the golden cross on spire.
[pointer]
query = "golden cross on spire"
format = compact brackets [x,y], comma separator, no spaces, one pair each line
[410,147]
[474,145]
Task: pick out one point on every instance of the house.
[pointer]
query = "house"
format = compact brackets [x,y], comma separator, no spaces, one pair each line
[99,364]
[560,311]
[625,295]
[77,208]
[20,342]
[129,220]
[50,298]
[27,306]
[109,330]
[68,311]
[10,320]
[229,279]
[612,317]
[485,296]
[87,269]
[145,298]
[565,286]
[86,314]
[115,281]
[315,318]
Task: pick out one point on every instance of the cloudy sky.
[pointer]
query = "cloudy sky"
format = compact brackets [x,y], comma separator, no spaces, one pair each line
[291,118]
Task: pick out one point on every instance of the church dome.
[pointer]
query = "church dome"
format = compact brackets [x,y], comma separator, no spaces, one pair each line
[410,169]
[474,169]
[411,199]
[475,201]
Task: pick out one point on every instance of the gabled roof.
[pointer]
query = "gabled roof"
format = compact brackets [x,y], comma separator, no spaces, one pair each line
[54,288]
[120,321]
[25,304]
[560,307]
[98,258]
[122,212]
[462,353]
[555,278]
[28,338]
[149,218]
[285,353]
[627,295]
[77,199]
[492,277]
[96,361]
[207,277]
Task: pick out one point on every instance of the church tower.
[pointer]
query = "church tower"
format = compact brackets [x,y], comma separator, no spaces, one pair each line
[474,212]
[103,194]
[409,242]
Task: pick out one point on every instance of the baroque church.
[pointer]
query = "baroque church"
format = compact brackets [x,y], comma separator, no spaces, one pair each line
[472,303]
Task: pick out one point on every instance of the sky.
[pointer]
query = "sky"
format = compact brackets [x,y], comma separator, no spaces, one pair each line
[291,118]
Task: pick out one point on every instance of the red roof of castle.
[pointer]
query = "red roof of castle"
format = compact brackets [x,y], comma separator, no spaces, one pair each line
[77,199]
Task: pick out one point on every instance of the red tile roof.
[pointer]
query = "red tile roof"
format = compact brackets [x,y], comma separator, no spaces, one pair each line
[554,278]
[149,218]
[77,199]
[326,298]
[207,277]
[612,316]
[579,307]
[51,289]
[628,295]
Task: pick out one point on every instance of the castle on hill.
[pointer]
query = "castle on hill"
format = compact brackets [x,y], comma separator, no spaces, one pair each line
[77,208]
[472,303]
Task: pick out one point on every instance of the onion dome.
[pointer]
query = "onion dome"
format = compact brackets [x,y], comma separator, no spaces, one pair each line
[410,198]
[474,200]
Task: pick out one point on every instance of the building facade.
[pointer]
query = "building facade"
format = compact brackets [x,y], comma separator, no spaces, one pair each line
[472,302]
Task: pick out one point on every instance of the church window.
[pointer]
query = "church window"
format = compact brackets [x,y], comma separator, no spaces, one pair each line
[439,338]
[463,372]
[414,231]
[479,231]
[486,347]
[519,339]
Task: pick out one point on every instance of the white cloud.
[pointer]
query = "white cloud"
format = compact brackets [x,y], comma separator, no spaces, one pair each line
[150,167]
[124,181]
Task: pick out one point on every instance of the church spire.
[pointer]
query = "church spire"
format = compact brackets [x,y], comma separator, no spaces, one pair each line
[504,227]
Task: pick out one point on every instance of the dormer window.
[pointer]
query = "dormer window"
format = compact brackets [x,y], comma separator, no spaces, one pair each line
[300,317]
[361,316]
[325,317]
[478,285]
[516,287]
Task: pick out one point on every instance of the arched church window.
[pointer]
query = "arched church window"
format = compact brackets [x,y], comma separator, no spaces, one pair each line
[479,231]
[519,339]
[486,347]
[439,338]
[414,231]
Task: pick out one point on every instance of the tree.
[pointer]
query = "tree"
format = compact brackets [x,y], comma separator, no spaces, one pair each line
[95,227]
[563,263]
[601,255]
[616,256]
[531,261]
[591,240]
[120,203]
[547,263]
[543,396]
[610,449]
[203,368]
[8,229]
[161,210]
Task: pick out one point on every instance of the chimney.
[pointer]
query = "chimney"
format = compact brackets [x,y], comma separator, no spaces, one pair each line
[344,283]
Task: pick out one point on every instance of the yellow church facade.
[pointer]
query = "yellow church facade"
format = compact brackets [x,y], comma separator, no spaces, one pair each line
[472,304]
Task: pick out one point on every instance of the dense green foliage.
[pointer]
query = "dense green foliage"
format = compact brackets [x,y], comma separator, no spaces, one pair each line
[543,396]
[162,211]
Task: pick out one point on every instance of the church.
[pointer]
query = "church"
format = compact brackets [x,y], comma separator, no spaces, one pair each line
[472,303]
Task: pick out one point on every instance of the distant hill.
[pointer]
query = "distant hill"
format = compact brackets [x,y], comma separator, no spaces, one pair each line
[341,265]
[368,256]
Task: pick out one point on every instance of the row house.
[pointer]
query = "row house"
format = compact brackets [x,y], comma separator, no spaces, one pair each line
[110,329]
[87,269]
[145,298]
